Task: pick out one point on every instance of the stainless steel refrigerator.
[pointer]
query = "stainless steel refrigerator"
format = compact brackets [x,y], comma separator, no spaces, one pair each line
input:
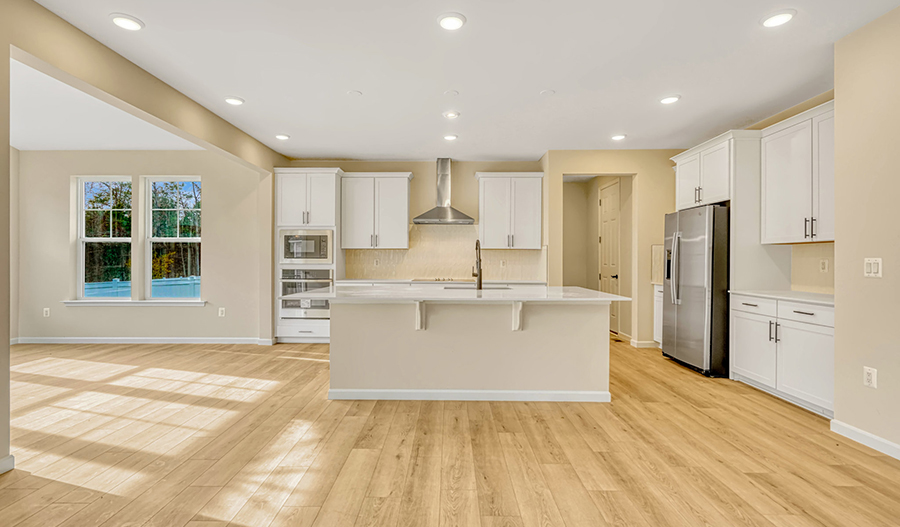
[695,290]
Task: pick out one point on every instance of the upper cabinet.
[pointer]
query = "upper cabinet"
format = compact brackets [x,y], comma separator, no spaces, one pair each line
[798,178]
[306,196]
[375,210]
[705,174]
[509,209]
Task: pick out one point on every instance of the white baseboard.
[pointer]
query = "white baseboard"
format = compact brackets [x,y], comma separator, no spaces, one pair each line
[13,342]
[470,395]
[138,340]
[8,463]
[870,440]
[303,340]
[643,343]
[265,342]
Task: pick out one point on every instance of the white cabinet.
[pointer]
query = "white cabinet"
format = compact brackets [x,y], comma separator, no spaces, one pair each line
[306,196]
[657,313]
[785,347]
[509,209]
[375,210]
[704,174]
[798,178]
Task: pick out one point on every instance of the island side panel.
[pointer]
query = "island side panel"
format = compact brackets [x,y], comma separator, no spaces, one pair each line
[469,351]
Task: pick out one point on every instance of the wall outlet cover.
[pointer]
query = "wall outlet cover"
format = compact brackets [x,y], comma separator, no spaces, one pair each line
[870,377]
[823,265]
[46,312]
[221,311]
[872,268]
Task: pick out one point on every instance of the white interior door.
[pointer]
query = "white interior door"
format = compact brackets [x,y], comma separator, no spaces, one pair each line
[357,213]
[392,213]
[609,248]
[495,213]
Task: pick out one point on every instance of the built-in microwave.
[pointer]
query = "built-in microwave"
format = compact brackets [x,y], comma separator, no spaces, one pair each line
[306,247]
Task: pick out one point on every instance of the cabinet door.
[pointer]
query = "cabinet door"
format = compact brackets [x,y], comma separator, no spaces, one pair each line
[687,179]
[291,199]
[526,213]
[806,362]
[320,196]
[753,347]
[495,210]
[357,213]
[392,213]
[823,177]
[715,174]
[787,184]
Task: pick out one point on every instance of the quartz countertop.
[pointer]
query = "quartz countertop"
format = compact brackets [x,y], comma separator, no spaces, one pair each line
[392,293]
[819,299]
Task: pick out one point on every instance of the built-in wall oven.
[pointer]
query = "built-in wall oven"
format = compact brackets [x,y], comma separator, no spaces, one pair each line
[306,246]
[300,281]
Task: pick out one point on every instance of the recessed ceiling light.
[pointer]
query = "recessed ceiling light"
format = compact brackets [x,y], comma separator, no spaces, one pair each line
[548,92]
[778,19]
[355,93]
[282,137]
[671,99]
[451,137]
[451,93]
[127,22]
[234,101]
[618,137]
[451,21]
[451,114]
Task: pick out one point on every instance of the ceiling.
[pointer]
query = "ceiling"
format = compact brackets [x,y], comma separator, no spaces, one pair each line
[47,114]
[609,63]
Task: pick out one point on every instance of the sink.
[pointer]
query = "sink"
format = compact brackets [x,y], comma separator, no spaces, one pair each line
[485,288]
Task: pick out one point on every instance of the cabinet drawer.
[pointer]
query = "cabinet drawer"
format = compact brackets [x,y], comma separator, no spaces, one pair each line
[304,328]
[752,304]
[821,315]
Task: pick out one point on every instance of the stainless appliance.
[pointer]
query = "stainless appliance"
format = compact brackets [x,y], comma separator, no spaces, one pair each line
[443,213]
[299,281]
[695,289]
[306,246]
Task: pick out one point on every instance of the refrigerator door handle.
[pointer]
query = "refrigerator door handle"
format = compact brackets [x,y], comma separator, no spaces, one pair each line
[676,268]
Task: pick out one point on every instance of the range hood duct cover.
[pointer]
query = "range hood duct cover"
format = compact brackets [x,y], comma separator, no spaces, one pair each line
[443,213]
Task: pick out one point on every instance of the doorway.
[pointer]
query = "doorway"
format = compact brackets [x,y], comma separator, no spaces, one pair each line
[609,248]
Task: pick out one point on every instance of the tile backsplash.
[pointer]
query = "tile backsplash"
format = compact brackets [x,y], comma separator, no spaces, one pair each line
[444,251]
[806,272]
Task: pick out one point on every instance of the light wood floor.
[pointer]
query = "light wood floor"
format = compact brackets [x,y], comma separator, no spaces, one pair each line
[208,436]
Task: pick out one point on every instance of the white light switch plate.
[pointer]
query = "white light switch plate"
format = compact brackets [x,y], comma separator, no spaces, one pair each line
[872,268]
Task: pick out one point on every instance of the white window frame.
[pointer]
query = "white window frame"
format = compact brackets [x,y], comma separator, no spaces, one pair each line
[82,239]
[150,239]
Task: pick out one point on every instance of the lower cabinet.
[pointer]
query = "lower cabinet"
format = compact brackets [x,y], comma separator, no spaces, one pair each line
[789,358]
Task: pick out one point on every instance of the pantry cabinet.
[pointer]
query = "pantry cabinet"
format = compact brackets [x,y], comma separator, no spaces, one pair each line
[375,210]
[797,203]
[509,209]
[705,174]
[785,346]
[306,196]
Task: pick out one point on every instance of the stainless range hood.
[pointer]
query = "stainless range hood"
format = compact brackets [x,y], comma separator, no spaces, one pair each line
[443,214]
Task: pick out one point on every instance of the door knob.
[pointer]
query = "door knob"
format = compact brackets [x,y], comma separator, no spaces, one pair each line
[615,276]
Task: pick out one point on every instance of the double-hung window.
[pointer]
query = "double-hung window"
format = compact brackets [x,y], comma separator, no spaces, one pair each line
[104,237]
[173,242]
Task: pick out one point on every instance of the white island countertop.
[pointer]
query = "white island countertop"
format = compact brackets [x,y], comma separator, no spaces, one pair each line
[387,293]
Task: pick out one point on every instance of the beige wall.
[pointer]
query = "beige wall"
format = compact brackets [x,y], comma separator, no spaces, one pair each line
[805,272]
[48,255]
[576,226]
[867,110]
[13,243]
[653,196]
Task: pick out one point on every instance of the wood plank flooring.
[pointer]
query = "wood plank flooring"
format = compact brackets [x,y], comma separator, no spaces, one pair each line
[214,436]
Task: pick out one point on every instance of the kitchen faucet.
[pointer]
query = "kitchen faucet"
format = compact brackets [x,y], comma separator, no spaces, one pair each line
[476,271]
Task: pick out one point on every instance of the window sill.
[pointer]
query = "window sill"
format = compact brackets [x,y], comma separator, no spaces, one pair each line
[100,302]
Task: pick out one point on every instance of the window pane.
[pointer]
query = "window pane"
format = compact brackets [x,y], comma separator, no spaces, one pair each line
[107,270]
[190,194]
[176,270]
[97,195]
[165,195]
[121,223]
[121,194]
[96,223]
[165,223]
[189,223]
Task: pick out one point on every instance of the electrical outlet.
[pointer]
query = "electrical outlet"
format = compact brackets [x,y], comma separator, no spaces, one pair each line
[502,263]
[221,311]
[870,377]
[872,268]
[377,262]
[823,265]
[46,312]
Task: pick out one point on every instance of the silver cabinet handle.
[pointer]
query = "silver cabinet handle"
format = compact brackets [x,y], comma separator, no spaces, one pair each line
[805,313]
[699,194]
[376,240]
[771,338]
[805,228]
[371,240]
[812,229]
[751,305]
[777,325]
[512,240]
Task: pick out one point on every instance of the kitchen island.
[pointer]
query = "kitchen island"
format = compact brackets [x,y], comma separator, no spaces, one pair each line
[454,342]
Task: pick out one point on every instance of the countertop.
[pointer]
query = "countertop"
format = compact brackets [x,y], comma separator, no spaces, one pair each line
[818,299]
[435,282]
[391,293]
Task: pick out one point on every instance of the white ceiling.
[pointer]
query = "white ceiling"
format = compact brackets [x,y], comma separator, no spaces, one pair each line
[47,114]
[608,61]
